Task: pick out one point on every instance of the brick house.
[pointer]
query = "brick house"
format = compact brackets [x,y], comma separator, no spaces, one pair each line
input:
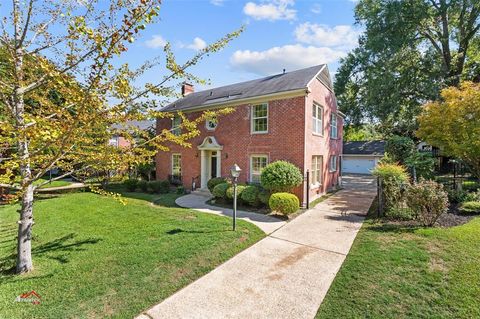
[291,116]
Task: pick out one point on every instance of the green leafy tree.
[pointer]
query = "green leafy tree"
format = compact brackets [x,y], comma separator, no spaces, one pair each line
[408,52]
[63,86]
[453,124]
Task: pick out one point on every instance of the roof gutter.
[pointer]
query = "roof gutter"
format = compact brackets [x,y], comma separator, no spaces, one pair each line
[258,98]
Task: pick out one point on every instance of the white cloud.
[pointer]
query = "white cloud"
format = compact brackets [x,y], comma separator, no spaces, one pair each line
[271,10]
[316,8]
[156,42]
[344,36]
[217,2]
[289,57]
[197,44]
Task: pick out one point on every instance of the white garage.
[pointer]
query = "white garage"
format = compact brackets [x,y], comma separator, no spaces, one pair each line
[361,157]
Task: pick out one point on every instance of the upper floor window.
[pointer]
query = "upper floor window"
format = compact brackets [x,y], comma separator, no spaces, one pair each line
[257,164]
[176,165]
[260,118]
[317,163]
[333,163]
[317,116]
[333,126]
[176,121]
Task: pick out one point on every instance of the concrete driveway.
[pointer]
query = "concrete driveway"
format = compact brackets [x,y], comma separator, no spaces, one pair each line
[285,275]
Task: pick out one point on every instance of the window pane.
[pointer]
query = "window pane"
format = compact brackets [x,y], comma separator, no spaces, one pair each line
[176,164]
[260,125]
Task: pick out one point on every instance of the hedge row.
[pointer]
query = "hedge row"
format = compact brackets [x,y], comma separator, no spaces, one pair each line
[161,187]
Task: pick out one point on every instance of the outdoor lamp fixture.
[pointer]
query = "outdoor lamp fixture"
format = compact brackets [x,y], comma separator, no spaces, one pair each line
[235,171]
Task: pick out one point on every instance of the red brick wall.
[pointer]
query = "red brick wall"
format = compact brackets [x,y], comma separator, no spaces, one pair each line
[284,140]
[289,138]
[322,145]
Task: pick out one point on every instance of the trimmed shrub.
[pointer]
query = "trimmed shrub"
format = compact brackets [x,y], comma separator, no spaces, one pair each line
[164,187]
[214,182]
[428,200]
[264,196]
[470,208]
[394,179]
[180,190]
[143,185]
[161,187]
[281,176]
[220,190]
[229,192]
[284,203]
[250,195]
[130,184]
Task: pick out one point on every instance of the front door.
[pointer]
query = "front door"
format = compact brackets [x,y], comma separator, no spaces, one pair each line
[213,165]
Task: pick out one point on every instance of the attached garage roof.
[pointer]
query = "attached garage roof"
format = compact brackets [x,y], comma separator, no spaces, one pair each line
[364,148]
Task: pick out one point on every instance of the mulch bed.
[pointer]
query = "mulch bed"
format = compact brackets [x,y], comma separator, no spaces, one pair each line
[453,218]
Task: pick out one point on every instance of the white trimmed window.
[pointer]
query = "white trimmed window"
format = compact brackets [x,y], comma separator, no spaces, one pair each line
[317,117]
[333,126]
[333,163]
[176,121]
[259,118]
[316,171]
[257,164]
[176,165]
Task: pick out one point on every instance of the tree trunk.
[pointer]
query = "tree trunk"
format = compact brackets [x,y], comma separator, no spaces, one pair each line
[24,240]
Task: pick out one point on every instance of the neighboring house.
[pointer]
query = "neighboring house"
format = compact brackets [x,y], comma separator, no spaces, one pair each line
[361,157]
[120,141]
[290,116]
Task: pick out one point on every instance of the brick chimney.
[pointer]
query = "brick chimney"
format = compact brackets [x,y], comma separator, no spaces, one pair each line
[187,88]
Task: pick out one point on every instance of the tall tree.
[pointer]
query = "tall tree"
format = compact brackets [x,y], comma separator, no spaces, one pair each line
[453,124]
[64,85]
[409,51]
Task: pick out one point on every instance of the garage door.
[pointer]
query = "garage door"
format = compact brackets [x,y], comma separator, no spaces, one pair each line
[358,165]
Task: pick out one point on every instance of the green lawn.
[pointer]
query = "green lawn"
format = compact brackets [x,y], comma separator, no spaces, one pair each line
[95,257]
[395,272]
[58,183]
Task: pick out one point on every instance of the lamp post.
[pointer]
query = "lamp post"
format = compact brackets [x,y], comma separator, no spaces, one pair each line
[235,171]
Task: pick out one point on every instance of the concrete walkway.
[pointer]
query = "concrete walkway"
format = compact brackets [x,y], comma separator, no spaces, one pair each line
[285,275]
[266,223]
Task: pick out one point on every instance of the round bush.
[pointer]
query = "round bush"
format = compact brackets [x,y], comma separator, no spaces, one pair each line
[284,203]
[214,182]
[130,184]
[143,185]
[250,195]
[264,196]
[161,187]
[220,190]
[427,200]
[229,192]
[281,176]
[470,208]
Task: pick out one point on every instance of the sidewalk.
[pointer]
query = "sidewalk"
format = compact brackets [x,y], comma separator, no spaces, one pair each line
[285,275]
[266,223]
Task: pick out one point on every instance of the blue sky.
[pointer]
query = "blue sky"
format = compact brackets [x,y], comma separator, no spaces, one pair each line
[279,34]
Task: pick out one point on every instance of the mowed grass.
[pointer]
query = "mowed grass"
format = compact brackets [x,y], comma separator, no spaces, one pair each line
[95,257]
[396,272]
[58,183]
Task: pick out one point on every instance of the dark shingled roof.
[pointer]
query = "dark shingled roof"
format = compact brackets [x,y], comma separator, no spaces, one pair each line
[284,82]
[364,148]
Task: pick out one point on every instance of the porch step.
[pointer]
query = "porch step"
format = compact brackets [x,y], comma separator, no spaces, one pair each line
[202,192]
